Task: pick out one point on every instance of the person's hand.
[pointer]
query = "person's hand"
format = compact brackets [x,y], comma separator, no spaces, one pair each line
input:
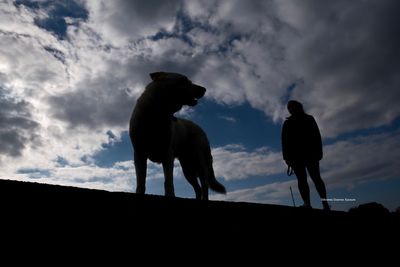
[290,170]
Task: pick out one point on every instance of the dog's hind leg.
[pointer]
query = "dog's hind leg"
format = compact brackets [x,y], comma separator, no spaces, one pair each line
[204,186]
[191,177]
[197,189]
[206,173]
[168,167]
[141,171]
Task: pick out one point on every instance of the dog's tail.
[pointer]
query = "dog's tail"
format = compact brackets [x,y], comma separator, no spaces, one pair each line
[214,184]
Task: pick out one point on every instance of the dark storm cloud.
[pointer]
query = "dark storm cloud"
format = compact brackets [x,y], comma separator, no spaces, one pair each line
[108,99]
[348,56]
[17,128]
[145,10]
[94,107]
[362,36]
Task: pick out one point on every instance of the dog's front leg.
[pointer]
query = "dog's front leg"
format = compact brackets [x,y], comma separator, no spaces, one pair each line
[168,167]
[141,171]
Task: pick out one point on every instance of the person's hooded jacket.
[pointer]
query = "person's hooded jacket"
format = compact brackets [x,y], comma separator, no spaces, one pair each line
[301,138]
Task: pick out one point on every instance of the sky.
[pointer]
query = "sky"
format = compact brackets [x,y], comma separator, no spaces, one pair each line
[71,71]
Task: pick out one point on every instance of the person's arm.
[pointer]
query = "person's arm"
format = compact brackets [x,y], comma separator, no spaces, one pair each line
[317,139]
[284,140]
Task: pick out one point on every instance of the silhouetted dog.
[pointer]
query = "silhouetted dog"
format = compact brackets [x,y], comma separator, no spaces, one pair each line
[159,136]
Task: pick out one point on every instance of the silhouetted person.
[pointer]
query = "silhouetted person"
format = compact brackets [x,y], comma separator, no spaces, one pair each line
[302,151]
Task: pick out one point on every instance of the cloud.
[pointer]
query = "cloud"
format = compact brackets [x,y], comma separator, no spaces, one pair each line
[119,177]
[95,105]
[346,165]
[348,61]
[362,159]
[273,193]
[105,95]
[227,118]
[245,57]
[120,22]
[344,64]
[26,66]
[233,162]
[17,128]
[54,16]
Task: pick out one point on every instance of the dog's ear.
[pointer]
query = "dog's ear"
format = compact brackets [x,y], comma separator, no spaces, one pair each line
[156,76]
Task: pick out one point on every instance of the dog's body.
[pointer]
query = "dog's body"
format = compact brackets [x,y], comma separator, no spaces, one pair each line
[157,135]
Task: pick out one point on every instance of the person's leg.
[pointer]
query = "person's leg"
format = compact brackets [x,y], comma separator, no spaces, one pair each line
[301,174]
[313,170]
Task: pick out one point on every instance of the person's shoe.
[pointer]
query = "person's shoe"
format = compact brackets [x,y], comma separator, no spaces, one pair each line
[306,206]
[326,206]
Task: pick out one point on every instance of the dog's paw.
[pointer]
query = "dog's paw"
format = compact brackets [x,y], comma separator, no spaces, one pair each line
[170,193]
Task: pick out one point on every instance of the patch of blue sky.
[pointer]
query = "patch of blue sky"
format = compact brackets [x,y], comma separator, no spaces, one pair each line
[57,12]
[61,162]
[115,152]
[156,187]
[34,173]
[237,124]
[185,24]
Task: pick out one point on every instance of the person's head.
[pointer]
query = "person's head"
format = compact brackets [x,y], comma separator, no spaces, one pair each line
[295,107]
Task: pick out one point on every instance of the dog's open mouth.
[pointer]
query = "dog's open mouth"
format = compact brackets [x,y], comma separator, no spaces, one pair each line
[192,102]
[196,92]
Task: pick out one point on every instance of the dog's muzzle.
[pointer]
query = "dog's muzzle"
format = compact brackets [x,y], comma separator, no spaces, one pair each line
[198,92]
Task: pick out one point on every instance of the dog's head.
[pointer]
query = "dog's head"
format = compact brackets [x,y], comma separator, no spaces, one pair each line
[177,89]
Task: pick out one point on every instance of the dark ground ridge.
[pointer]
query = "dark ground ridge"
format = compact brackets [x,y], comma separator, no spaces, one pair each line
[44,223]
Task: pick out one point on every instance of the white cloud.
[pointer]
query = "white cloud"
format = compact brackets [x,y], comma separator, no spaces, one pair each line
[248,72]
[273,193]
[35,66]
[362,159]
[120,22]
[244,56]
[233,162]
[26,65]
[228,118]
